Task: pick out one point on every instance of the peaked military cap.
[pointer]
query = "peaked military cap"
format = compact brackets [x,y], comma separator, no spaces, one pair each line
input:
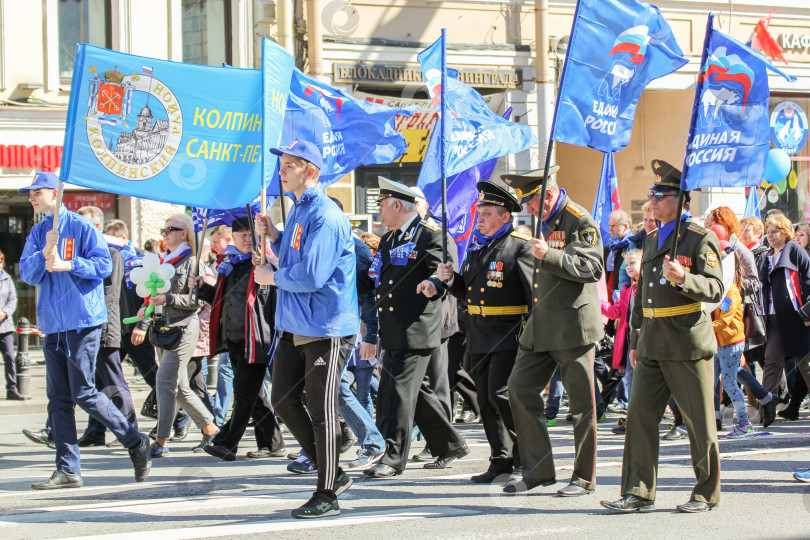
[667,177]
[497,194]
[389,188]
[528,183]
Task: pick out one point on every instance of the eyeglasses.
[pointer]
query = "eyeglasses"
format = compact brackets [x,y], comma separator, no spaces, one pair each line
[659,195]
[168,230]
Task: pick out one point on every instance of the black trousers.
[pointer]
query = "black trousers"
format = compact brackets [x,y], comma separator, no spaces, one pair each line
[404,398]
[268,432]
[196,381]
[491,372]
[143,356]
[458,362]
[110,380]
[316,368]
[248,380]
[7,350]
[437,382]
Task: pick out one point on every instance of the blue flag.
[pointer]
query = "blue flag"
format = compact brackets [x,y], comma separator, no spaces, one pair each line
[349,132]
[752,205]
[473,134]
[729,137]
[166,131]
[276,84]
[616,48]
[224,217]
[607,196]
[462,196]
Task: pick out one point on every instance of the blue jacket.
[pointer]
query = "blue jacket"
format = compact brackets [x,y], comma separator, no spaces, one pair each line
[316,278]
[75,299]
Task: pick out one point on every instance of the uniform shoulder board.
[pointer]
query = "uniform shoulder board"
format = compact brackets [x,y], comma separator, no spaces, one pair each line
[694,227]
[574,210]
[429,225]
[522,236]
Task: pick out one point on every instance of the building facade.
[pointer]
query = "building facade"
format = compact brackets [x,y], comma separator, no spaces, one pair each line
[369,48]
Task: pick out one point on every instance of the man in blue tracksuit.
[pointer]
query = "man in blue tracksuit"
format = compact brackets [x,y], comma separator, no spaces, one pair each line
[316,318]
[69,266]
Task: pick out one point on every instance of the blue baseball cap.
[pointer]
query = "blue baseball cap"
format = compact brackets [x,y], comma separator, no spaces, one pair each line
[303,149]
[42,180]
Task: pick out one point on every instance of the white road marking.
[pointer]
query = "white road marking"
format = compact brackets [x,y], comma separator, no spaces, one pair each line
[226,531]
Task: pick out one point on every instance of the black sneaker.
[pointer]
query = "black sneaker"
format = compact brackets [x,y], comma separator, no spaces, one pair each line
[317,507]
[342,482]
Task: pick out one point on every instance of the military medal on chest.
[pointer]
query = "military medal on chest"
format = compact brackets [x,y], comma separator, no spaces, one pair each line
[495,274]
[557,240]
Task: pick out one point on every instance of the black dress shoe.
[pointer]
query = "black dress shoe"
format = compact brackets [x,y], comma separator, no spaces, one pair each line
[787,414]
[381,470]
[492,474]
[180,432]
[42,436]
[694,507]
[60,480]
[630,503]
[525,485]
[141,459]
[16,396]
[446,459]
[220,451]
[264,453]
[573,490]
[424,455]
[86,441]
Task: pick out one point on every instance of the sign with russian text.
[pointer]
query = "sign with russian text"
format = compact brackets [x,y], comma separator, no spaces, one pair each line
[166,131]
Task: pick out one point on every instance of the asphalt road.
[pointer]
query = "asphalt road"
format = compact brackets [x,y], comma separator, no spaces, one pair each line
[197,496]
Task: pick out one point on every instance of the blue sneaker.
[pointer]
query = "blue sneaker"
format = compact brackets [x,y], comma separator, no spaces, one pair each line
[802,476]
[741,431]
[302,465]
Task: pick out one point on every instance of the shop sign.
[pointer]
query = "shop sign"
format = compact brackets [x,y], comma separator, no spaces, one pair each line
[788,127]
[16,156]
[359,73]
[75,200]
[795,42]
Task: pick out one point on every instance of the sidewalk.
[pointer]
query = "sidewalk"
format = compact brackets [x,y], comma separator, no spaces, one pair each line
[39,400]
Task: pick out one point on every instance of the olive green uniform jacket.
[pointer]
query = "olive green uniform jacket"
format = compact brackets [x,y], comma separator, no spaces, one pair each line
[679,337]
[565,312]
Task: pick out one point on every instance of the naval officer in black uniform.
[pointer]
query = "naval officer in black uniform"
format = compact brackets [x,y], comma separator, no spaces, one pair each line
[495,283]
[409,307]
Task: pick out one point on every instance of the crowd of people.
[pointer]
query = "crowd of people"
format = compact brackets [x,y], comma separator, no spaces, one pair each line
[345,340]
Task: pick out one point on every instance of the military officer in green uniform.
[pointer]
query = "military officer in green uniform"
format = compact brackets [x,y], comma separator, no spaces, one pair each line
[672,346]
[495,283]
[564,323]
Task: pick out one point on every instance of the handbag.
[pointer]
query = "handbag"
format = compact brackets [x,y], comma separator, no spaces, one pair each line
[754,325]
[163,336]
[149,407]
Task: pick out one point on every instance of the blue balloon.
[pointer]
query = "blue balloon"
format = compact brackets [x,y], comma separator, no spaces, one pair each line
[777,167]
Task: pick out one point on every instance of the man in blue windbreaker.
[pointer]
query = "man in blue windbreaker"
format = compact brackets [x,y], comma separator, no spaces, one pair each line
[316,318]
[69,266]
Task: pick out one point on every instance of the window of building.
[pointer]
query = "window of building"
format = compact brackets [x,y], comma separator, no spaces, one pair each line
[207,32]
[82,21]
